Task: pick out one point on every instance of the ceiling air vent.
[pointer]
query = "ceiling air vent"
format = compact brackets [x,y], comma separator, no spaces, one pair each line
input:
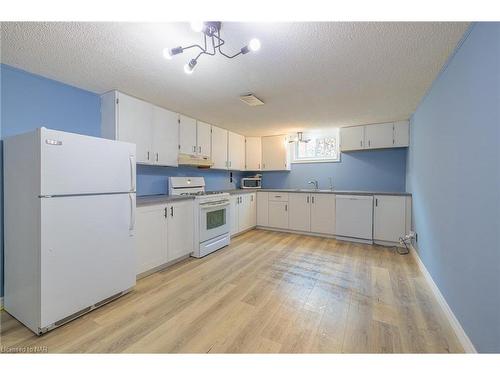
[251,100]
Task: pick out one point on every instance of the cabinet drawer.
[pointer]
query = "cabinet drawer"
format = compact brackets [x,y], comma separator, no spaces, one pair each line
[278,197]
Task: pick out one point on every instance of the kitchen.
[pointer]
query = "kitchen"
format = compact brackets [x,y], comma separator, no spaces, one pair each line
[195,231]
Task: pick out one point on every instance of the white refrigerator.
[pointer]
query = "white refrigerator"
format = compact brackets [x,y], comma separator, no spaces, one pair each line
[69,225]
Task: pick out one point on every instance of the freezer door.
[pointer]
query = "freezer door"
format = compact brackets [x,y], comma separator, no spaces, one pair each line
[78,164]
[87,252]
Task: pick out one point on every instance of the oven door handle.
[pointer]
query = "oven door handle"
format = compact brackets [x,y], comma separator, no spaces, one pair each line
[208,206]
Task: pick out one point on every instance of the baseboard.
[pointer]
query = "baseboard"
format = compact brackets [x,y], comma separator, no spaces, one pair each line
[455,324]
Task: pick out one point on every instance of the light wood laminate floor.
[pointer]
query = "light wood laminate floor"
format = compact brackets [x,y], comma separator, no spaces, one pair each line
[268,292]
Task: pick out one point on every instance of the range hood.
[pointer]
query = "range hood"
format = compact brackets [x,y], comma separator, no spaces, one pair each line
[196,161]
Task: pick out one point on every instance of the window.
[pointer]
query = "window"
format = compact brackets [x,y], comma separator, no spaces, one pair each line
[322,147]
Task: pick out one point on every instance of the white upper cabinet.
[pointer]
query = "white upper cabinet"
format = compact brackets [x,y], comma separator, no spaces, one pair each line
[219,148]
[154,130]
[323,213]
[401,134]
[253,153]
[366,137]
[165,136]
[204,143]
[275,153]
[187,135]
[236,151]
[352,138]
[379,135]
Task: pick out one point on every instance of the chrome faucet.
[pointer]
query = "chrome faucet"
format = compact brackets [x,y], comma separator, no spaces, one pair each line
[315,183]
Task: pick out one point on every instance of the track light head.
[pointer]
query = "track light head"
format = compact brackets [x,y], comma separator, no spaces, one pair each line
[189,67]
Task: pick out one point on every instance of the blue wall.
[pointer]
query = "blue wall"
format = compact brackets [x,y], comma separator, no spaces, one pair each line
[454,175]
[381,170]
[153,180]
[29,101]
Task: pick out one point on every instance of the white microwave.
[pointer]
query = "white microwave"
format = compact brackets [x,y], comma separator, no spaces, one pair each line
[251,182]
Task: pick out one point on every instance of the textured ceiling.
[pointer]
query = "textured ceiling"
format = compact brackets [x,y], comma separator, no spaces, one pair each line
[310,75]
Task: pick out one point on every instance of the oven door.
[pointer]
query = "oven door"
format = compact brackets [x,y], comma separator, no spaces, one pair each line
[214,219]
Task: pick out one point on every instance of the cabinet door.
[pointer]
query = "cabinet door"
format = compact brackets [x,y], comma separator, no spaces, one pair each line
[219,148]
[151,232]
[134,125]
[262,209]
[278,214]
[253,153]
[236,151]
[234,213]
[275,153]
[204,140]
[180,229]
[379,135]
[187,135]
[389,218]
[401,134]
[165,126]
[252,215]
[323,213]
[300,212]
[243,212]
[352,138]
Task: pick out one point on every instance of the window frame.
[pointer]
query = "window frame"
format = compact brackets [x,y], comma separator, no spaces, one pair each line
[316,134]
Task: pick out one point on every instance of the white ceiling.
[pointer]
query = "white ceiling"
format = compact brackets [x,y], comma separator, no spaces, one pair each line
[310,75]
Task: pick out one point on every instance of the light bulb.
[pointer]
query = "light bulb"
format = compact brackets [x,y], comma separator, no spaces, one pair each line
[254,44]
[197,26]
[187,69]
[167,54]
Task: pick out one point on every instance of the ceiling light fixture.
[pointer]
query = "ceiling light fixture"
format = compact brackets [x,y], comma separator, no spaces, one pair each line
[211,35]
[299,138]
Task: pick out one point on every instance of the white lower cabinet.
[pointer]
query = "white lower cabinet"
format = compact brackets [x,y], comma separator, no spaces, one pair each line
[323,213]
[151,237]
[180,225]
[389,221]
[243,212]
[263,208]
[164,234]
[278,210]
[312,213]
[300,212]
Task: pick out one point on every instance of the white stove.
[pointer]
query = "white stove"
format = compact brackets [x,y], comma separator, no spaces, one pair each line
[211,212]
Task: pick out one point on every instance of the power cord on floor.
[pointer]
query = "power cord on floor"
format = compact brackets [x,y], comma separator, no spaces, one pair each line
[405,241]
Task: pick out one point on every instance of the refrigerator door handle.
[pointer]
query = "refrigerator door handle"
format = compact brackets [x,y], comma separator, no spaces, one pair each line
[132,172]
[132,213]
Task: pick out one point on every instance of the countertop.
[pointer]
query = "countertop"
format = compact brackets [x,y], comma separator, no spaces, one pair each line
[320,191]
[147,200]
[163,198]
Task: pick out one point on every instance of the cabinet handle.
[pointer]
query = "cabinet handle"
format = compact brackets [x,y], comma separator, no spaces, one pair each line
[369,143]
[251,198]
[259,166]
[194,148]
[376,202]
[148,155]
[157,156]
[312,199]
[172,211]
[361,143]
[166,214]
[199,149]
[264,166]
[286,207]
[307,199]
